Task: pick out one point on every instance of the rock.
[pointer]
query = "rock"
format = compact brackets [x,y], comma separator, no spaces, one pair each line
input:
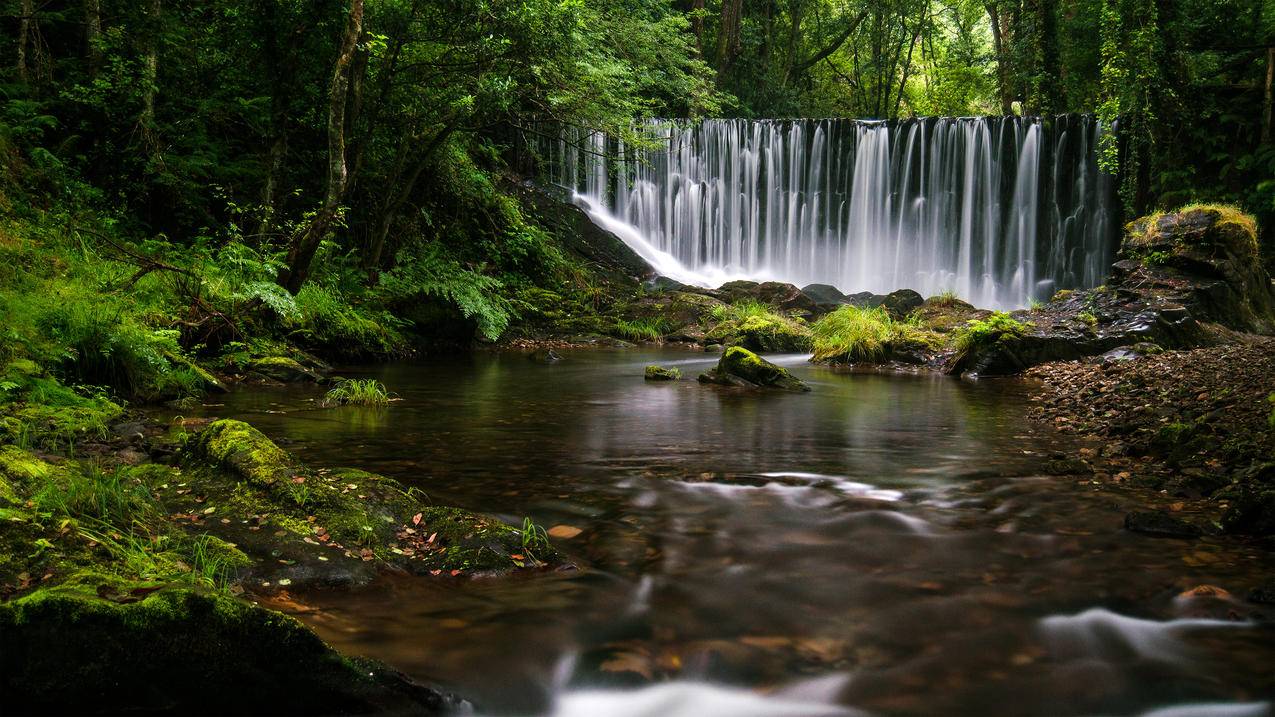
[659,373]
[902,302]
[865,300]
[544,356]
[1263,594]
[712,348]
[1160,525]
[1252,512]
[741,367]
[663,284]
[282,368]
[824,295]
[1208,256]
[100,645]
[1065,466]
[241,473]
[785,297]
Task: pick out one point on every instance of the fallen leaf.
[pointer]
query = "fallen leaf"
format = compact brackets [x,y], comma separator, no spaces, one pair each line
[566,532]
[416,519]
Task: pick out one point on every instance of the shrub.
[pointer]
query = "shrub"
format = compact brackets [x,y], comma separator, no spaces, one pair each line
[327,319]
[986,332]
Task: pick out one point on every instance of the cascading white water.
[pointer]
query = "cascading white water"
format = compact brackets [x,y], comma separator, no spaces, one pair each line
[1000,210]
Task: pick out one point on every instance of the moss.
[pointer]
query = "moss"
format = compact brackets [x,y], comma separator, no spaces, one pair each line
[659,373]
[740,367]
[1158,238]
[757,327]
[984,333]
[58,427]
[20,470]
[99,644]
[282,368]
[348,507]
[242,449]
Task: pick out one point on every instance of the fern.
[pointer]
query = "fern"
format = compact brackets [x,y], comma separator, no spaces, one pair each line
[428,271]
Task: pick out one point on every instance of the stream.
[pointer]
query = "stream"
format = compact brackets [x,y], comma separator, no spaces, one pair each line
[882,545]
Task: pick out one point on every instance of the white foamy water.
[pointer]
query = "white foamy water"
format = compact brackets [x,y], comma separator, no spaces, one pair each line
[693,699]
[1098,632]
[998,209]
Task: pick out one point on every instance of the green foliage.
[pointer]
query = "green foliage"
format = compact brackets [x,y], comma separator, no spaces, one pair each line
[853,334]
[358,392]
[1270,421]
[428,272]
[998,326]
[535,540]
[327,319]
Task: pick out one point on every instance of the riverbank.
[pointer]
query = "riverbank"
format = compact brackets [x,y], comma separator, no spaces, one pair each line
[1195,426]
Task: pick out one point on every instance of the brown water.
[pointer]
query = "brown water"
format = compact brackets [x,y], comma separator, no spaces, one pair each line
[883,544]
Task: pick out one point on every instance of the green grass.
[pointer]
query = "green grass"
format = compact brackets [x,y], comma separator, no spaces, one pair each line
[946,298]
[853,334]
[358,392]
[93,494]
[535,540]
[985,332]
[647,329]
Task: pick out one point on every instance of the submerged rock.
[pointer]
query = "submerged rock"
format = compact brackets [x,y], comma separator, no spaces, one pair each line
[1160,524]
[544,356]
[99,645]
[741,367]
[659,373]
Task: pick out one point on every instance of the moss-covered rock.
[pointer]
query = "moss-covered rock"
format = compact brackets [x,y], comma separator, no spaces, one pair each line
[99,645]
[740,367]
[305,524]
[660,373]
[758,327]
[282,368]
[1206,255]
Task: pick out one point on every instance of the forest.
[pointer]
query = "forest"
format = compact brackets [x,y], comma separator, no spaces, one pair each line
[978,293]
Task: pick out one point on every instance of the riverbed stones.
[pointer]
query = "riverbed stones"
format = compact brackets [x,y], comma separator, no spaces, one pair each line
[742,368]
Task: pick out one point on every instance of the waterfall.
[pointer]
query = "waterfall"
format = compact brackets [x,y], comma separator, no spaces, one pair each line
[999,210]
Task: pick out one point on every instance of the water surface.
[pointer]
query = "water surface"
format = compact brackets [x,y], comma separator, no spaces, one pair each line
[882,544]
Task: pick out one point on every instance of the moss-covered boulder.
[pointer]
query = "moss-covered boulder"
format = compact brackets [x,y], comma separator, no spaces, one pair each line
[95,645]
[328,526]
[1207,256]
[740,367]
[660,373]
[282,368]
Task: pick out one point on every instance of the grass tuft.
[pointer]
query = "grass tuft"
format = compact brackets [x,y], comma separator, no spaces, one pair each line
[358,392]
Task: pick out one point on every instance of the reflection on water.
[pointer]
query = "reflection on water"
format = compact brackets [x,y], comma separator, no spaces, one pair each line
[889,538]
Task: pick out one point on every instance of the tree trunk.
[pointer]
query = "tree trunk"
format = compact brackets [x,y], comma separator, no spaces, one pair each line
[1266,102]
[150,69]
[92,31]
[697,26]
[306,242]
[1002,61]
[24,34]
[728,34]
[372,260]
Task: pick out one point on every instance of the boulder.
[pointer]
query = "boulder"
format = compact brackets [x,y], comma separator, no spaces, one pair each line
[1252,512]
[902,302]
[1161,525]
[1206,257]
[660,373]
[786,297]
[282,368]
[824,295]
[98,645]
[741,367]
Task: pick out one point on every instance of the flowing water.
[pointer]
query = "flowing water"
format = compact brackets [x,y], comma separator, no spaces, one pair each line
[881,545]
[1000,210]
